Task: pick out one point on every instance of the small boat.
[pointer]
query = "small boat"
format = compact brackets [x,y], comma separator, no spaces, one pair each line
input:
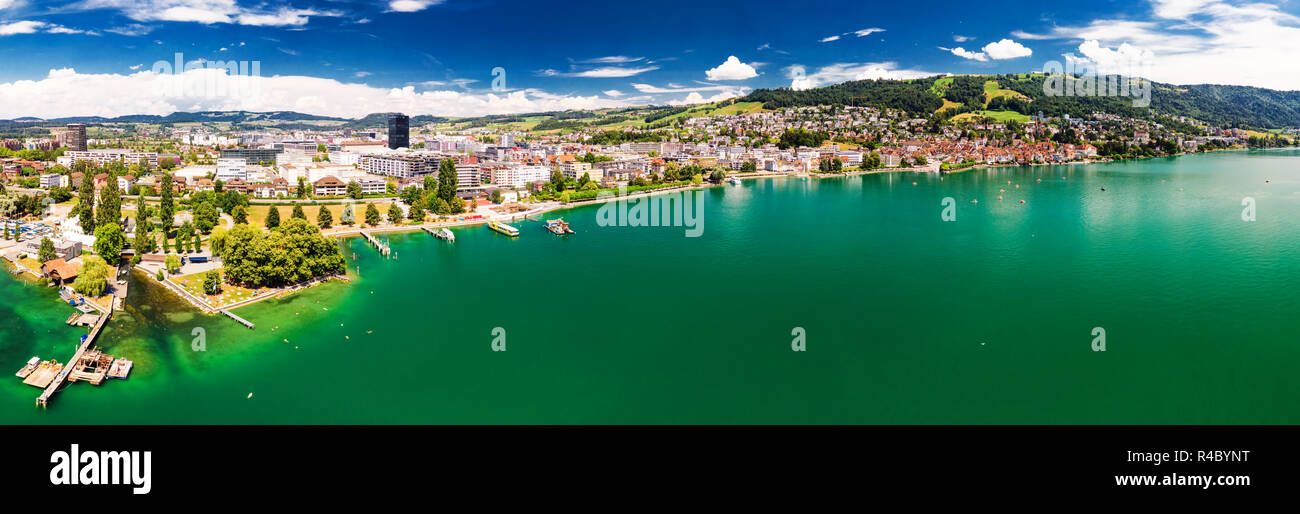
[558,227]
[120,368]
[445,235]
[29,368]
[734,181]
[504,229]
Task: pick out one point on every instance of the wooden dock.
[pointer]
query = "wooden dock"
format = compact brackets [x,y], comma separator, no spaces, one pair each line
[92,367]
[62,376]
[242,321]
[375,242]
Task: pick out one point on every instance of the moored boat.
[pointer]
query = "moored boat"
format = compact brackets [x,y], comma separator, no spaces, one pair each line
[29,368]
[504,229]
[558,227]
[734,181]
[120,368]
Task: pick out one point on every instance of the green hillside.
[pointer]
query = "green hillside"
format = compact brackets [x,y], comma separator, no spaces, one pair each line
[1023,93]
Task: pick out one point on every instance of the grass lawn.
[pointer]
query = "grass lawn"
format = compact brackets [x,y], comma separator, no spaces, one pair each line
[974,117]
[31,264]
[940,86]
[257,213]
[948,104]
[229,295]
[991,91]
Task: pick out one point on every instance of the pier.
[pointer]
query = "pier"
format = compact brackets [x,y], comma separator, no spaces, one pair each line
[74,362]
[379,245]
[242,321]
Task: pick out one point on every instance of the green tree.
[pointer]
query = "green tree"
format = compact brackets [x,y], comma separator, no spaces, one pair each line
[143,242]
[198,242]
[109,241]
[447,180]
[298,213]
[441,207]
[217,240]
[273,217]
[240,214]
[324,218]
[212,282]
[167,204]
[205,217]
[349,218]
[172,263]
[416,212]
[394,213]
[46,253]
[301,191]
[354,190]
[86,207]
[557,181]
[372,215]
[293,254]
[109,209]
[92,277]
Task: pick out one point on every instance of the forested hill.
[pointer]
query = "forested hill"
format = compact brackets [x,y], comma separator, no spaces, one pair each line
[1241,106]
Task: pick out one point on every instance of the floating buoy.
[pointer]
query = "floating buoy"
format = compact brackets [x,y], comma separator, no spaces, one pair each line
[1002,190]
[914,183]
[999,198]
[1040,180]
[1022,201]
[250,395]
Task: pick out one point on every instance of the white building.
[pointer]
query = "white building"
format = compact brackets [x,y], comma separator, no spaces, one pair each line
[520,176]
[51,180]
[101,157]
[345,158]
[468,177]
[230,168]
[400,165]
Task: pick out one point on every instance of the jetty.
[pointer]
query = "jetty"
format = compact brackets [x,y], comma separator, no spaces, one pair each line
[375,242]
[441,233]
[61,375]
[92,366]
[235,317]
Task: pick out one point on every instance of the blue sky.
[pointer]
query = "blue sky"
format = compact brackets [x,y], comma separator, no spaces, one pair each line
[347,58]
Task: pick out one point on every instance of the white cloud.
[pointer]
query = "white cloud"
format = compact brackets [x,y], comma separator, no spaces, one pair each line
[134,29]
[868,32]
[33,27]
[1007,49]
[962,39]
[206,12]
[674,88]
[65,92]
[5,4]
[967,54]
[598,73]
[613,59]
[764,46]
[21,27]
[828,39]
[614,93]
[1197,42]
[362,74]
[844,72]
[411,5]
[731,69]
